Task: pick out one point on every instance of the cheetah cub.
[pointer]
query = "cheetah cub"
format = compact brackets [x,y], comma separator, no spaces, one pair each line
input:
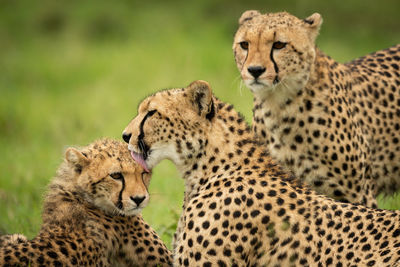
[91,215]
[240,207]
[12,239]
[336,126]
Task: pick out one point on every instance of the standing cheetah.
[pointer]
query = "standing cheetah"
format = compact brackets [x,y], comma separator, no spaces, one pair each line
[240,207]
[336,126]
[91,215]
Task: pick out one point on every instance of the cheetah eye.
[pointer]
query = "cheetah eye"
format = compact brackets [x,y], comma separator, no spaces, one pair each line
[117,176]
[244,45]
[278,45]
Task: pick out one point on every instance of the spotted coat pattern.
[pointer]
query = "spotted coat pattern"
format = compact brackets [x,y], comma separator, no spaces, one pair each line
[78,232]
[241,208]
[336,126]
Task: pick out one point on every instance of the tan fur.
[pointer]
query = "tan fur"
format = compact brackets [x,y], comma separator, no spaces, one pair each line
[334,125]
[6,240]
[89,218]
[240,207]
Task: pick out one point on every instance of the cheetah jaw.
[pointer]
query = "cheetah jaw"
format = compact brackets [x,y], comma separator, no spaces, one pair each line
[258,86]
[133,211]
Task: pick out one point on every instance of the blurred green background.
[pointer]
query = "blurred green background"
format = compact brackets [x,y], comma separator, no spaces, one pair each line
[73,71]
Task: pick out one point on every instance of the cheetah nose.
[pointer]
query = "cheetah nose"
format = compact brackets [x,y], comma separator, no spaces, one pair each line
[126,137]
[256,71]
[138,200]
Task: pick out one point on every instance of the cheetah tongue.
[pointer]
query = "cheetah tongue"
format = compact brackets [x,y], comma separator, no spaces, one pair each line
[139,159]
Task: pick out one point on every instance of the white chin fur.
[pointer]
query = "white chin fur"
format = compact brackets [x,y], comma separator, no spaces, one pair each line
[132,212]
[258,88]
[286,88]
[157,154]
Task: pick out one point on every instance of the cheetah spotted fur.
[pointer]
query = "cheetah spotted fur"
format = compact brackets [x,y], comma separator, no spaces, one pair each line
[336,126]
[240,207]
[91,215]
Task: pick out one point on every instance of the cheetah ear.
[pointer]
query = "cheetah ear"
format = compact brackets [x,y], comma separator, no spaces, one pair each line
[201,97]
[314,23]
[76,158]
[248,15]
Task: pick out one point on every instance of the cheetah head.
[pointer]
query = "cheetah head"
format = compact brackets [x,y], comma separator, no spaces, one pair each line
[171,124]
[107,177]
[275,51]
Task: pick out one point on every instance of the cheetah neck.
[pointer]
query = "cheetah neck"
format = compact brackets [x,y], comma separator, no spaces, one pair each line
[286,94]
[275,112]
[229,138]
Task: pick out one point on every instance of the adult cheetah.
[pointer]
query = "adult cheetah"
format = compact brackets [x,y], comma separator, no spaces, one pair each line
[336,126]
[240,207]
[91,215]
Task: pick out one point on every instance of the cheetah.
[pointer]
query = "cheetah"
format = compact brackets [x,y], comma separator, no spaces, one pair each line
[91,215]
[335,126]
[240,207]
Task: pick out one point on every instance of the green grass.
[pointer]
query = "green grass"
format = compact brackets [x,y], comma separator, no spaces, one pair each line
[74,71]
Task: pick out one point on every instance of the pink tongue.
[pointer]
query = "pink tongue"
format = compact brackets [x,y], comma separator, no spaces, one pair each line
[139,159]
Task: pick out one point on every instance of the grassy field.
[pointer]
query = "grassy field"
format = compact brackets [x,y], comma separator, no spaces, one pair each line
[75,71]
